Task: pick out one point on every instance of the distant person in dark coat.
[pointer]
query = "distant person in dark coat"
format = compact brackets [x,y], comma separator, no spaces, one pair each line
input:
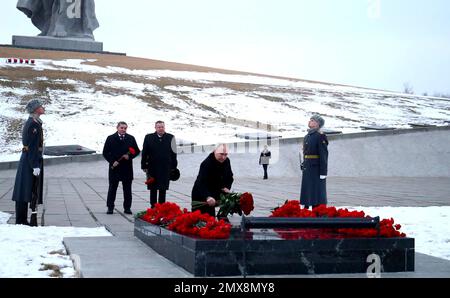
[119,150]
[264,160]
[29,177]
[159,159]
[215,177]
[314,165]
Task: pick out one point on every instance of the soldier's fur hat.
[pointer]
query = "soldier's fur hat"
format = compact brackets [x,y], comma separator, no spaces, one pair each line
[319,120]
[32,105]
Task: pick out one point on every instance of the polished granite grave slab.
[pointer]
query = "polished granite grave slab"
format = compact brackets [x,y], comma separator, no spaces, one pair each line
[265,252]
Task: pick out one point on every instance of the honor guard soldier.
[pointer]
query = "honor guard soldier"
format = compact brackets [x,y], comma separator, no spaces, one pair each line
[314,165]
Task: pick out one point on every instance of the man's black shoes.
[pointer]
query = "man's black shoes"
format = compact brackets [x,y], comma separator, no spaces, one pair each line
[110,211]
[127,211]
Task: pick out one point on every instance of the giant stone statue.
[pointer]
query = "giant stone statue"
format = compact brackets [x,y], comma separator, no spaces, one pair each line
[62,18]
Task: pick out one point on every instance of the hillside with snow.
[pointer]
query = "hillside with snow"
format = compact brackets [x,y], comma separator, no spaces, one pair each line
[86,96]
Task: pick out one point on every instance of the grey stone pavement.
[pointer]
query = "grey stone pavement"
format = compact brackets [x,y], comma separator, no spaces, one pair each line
[81,202]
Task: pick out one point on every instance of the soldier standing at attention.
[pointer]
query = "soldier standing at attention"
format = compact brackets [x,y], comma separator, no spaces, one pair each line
[28,184]
[314,165]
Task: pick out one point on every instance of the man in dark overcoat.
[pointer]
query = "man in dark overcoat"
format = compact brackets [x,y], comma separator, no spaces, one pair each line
[119,150]
[214,177]
[29,178]
[314,165]
[159,159]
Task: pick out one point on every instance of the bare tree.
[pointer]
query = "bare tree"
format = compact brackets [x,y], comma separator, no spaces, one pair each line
[407,88]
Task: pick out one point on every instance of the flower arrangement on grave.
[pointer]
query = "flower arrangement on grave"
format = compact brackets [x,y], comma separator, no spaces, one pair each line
[195,224]
[387,227]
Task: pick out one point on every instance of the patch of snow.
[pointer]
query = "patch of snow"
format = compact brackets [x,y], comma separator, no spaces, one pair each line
[427,225]
[24,250]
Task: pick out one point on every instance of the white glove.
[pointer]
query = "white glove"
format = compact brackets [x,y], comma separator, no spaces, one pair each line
[323,177]
[36,171]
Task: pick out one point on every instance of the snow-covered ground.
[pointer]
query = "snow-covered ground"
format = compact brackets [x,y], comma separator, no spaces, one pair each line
[201,107]
[428,225]
[38,251]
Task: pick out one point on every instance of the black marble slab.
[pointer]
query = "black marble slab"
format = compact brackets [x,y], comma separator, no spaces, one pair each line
[67,150]
[265,252]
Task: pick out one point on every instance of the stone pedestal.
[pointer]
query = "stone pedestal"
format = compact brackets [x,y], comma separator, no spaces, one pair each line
[264,252]
[53,43]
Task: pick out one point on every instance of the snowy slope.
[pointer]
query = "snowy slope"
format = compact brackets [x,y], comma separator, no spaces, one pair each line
[85,101]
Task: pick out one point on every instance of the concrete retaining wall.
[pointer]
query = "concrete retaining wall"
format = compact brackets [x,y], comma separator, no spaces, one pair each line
[423,152]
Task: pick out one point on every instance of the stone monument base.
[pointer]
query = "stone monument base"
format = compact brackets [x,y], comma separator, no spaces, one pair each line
[53,43]
[266,253]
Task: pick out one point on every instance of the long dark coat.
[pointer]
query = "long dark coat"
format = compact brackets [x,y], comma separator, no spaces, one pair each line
[212,177]
[113,150]
[313,190]
[159,157]
[33,142]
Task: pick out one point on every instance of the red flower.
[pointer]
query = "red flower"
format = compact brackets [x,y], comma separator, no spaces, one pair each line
[162,214]
[201,225]
[150,181]
[187,223]
[291,209]
[246,203]
[233,202]
[387,228]
[131,151]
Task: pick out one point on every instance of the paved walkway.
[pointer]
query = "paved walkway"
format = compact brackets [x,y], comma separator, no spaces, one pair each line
[81,202]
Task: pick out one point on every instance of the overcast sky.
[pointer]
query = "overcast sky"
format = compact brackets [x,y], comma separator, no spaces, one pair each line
[370,43]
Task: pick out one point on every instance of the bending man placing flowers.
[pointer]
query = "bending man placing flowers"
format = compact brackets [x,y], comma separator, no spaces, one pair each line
[215,177]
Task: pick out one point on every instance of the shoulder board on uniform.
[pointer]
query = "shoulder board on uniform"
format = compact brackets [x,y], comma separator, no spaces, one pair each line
[323,138]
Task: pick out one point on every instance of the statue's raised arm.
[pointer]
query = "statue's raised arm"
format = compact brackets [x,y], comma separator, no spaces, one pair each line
[61,18]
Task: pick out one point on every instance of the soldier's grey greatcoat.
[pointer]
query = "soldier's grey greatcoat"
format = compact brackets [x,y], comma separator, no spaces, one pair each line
[33,143]
[315,164]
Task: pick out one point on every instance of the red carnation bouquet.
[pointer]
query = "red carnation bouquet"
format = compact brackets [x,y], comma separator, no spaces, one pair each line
[293,209]
[162,214]
[150,180]
[195,224]
[201,225]
[232,202]
[131,151]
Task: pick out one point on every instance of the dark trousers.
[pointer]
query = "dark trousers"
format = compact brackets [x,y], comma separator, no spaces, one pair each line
[265,171]
[112,191]
[22,213]
[153,196]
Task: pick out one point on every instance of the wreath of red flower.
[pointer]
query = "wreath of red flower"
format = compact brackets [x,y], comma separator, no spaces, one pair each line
[195,224]
[201,225]
[162,214]
[293,209]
